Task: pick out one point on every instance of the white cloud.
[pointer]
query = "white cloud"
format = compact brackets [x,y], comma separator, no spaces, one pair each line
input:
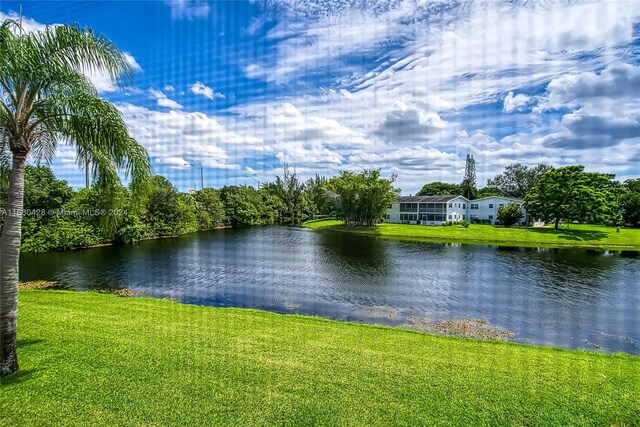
[606,108]
[183,135]
[163,101]
[464,52]
[617,81]
[254,71]
[189,9]
[169,88]
[201,89]
[406,124]
[514,102]
[173,162]
[132,62]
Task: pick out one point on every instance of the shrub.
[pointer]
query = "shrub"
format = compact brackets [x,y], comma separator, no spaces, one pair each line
[510,214]
[464,223]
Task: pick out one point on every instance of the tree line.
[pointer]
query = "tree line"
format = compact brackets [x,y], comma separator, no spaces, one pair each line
[57,217]
[555,194]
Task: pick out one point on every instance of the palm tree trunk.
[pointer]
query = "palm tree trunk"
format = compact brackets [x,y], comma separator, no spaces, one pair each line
[9,257]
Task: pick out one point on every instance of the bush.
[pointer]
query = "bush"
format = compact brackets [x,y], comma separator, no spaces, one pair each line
[131,230]
[510,214]
[464,223]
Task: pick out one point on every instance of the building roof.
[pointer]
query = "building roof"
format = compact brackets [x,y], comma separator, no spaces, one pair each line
[427,199]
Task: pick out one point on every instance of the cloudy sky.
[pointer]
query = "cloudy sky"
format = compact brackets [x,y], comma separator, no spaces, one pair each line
[410,87]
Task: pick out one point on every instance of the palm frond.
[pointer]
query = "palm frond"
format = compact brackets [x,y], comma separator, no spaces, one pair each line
[81,49]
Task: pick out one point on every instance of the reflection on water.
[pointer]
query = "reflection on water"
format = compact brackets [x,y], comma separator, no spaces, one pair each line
[562,297]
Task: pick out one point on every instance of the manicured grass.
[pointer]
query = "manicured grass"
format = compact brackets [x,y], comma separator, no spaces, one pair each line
[573,235]
[100,360]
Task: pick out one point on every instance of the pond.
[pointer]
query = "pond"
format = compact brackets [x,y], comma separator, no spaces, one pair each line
[559,297]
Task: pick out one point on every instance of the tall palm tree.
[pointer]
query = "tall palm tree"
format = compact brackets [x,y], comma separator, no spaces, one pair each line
[46,99]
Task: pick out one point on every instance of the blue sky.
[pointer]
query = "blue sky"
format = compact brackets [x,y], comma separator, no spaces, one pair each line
[411,87]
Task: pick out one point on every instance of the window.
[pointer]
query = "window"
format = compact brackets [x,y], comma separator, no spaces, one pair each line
[389,207]
[422,207]
[464,206]
[450,205]
[475,206]
[408,217]
[408,207]
[490,205]
[490,216]
[449,216]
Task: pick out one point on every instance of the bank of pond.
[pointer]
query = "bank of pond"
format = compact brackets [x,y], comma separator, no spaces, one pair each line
[566,236]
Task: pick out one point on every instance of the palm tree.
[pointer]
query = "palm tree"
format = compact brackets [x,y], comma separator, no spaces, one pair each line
[46,99]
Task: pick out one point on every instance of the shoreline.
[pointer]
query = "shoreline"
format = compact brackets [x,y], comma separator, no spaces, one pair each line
[381,232]
[113,243]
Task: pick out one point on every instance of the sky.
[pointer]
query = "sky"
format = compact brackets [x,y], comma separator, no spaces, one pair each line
[411,87]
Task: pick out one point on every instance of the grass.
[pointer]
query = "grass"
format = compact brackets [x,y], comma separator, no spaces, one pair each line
[573,235]
[99,360]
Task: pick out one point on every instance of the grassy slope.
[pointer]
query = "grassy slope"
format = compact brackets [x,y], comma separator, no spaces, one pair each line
[91,359]
[577,235]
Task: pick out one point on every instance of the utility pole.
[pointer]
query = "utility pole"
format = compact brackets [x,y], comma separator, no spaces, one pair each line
[201,176]
[257,182]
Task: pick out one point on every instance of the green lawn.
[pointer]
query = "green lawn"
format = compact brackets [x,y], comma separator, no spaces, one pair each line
[100,360]
[575,235]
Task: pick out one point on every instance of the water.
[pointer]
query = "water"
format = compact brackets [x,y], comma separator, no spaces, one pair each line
[568,298]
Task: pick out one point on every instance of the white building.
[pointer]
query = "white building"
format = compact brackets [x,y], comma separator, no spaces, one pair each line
[434,210]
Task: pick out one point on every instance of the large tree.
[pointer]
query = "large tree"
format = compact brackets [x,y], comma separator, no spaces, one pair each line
[517,179]
[362,198]
[46,99]
[291,192]
[438,188]
[316,191]
[631,202]
[572,194]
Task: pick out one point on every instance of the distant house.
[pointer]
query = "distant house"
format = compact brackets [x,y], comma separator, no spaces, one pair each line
[434,210]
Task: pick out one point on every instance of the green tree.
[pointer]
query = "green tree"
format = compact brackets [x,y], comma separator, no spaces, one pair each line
[162,212]
[316,191]
[438,188]
[517,179]
[76,225]
[510,214]
[291,191]
[187,216]
[631,202]
[362,199]
[245,206]
[570,193]
[210,210]
[42,190]
[488,191]
[45,98]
